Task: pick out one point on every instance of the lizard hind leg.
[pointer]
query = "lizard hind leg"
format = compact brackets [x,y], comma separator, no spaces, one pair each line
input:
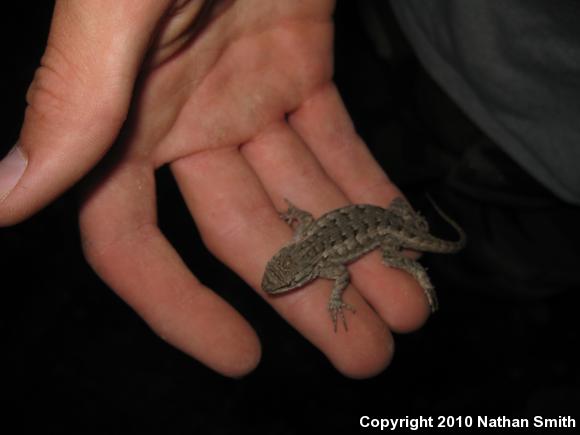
[395,259]
[412,217]
[336,305]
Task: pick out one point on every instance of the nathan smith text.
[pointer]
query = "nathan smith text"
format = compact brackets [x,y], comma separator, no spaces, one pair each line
[415,423]
[537,421]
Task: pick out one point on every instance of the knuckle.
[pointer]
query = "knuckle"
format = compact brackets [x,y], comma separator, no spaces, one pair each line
[64,93]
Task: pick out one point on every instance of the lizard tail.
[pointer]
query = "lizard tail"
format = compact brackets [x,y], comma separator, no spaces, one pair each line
[460,243]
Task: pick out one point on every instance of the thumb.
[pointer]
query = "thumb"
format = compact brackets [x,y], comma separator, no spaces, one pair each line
[78,99]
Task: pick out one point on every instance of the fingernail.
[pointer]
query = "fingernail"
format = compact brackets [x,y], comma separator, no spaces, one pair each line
[11,169]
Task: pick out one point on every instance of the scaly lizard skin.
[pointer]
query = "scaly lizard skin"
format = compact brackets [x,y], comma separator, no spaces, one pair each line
[322,247]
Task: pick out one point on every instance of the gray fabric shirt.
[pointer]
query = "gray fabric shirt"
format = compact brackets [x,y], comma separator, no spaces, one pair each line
[514,68]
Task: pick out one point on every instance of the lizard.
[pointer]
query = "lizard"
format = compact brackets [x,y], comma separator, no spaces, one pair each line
[321,248]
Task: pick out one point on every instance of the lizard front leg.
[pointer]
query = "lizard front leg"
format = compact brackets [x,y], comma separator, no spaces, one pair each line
[394,258]
[303,218]
[339,273]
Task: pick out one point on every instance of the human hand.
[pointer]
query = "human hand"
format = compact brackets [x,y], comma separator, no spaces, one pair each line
[244,111]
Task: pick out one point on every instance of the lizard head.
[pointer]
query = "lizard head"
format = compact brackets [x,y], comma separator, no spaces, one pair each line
[284,273]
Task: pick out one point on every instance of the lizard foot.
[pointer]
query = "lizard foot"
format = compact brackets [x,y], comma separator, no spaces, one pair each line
[336,308]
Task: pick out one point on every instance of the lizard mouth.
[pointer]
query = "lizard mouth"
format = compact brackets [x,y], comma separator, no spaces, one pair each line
[277,290]
[271,286]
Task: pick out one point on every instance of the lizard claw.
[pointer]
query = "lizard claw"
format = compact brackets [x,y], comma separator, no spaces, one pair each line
[288,216]
[336,309]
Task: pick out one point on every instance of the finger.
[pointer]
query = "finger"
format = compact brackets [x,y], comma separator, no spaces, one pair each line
[125,247]
[239,225]
[288,169]
[77,101]
[324,124]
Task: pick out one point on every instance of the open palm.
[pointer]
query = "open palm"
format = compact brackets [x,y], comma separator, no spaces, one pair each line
[237,97]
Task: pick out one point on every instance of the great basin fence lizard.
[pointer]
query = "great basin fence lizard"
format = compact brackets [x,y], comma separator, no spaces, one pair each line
[321,248]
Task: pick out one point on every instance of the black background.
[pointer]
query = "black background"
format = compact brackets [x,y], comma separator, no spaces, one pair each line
[76,359]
